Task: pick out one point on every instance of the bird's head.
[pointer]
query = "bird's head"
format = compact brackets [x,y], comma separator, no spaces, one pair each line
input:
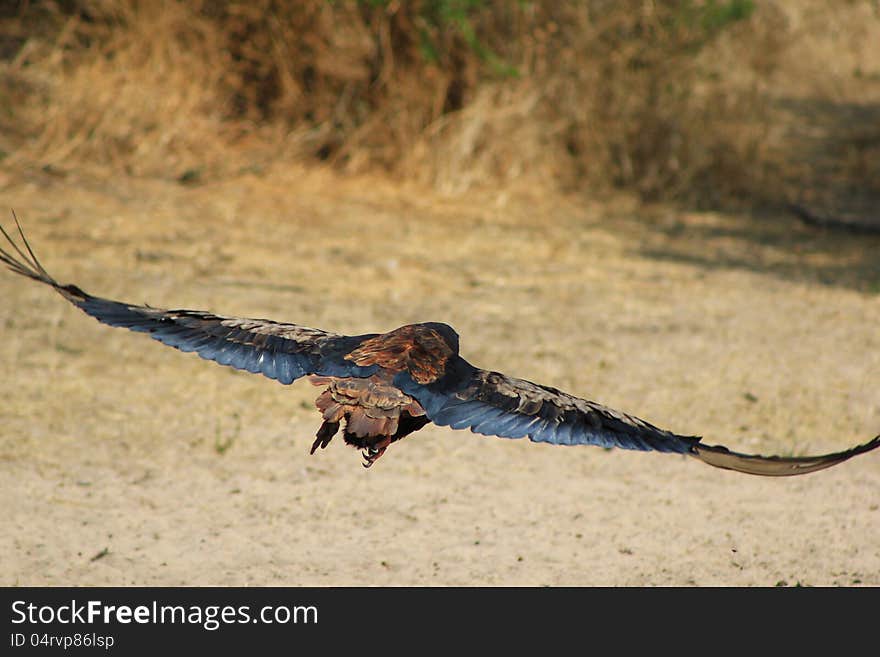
[446,332]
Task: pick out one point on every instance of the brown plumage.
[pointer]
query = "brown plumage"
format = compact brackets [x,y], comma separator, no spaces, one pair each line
[374,411]
[421,351]
[379,388]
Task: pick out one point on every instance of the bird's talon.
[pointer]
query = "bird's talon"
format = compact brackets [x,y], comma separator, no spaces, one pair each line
[371,455]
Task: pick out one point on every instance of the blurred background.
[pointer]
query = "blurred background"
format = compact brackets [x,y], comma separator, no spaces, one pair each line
[664,206]
[714,103]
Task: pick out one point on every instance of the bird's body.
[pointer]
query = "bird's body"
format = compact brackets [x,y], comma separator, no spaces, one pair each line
[379,388]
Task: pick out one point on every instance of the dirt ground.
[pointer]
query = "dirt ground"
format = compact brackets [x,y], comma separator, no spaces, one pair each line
[124,462]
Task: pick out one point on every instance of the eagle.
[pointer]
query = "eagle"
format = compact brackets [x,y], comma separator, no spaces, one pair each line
[380,387]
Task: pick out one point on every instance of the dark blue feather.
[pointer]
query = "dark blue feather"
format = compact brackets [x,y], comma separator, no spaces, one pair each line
[234,343]
[493,404]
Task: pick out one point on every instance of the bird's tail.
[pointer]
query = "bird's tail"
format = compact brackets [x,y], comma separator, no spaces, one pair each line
[775,466]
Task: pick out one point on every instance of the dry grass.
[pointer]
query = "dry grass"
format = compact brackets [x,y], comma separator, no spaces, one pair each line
[142,96]
[622,94]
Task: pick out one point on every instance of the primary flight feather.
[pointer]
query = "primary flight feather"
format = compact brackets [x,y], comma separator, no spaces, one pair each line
[379,388]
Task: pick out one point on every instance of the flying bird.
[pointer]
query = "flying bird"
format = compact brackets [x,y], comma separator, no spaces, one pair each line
[380,387]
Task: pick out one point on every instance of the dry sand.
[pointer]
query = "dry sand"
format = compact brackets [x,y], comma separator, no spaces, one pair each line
[123,462]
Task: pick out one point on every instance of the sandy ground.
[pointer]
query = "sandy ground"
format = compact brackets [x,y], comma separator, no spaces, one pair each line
[123,462]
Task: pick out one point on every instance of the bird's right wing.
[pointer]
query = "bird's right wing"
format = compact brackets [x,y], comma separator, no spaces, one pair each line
[283,352]
[495,404]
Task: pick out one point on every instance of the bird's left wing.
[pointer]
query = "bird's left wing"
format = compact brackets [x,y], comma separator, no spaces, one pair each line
[494,404]
[283,352]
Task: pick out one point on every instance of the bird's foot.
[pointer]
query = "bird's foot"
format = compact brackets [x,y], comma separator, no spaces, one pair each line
[325,435]
[372,454]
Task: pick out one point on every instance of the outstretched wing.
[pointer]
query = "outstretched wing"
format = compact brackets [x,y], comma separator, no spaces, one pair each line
[283,352]
[494,404]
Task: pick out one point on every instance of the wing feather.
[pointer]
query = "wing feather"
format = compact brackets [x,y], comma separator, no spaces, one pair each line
[492,403]
[777,466]
[292,351]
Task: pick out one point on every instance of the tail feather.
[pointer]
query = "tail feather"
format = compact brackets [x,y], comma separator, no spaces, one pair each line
[775,466]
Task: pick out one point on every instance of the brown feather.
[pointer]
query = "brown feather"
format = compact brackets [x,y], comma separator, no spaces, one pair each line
[371,407]
[419,350]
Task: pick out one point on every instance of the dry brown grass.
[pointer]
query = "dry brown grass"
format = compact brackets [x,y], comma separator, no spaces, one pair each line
[140,93]
[619,94]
